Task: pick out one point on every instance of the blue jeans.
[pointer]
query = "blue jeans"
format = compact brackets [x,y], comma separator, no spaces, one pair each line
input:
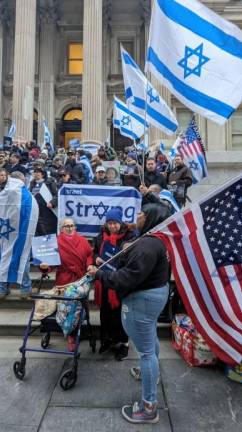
[140,311]
[26,285]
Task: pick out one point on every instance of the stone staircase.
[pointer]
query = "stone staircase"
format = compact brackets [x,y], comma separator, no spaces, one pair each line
[15,311]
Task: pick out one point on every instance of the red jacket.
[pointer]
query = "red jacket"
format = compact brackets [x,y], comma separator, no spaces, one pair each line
[76,255]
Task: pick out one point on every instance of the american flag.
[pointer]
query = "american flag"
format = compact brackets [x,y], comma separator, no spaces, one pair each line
[205,247]
[192,150]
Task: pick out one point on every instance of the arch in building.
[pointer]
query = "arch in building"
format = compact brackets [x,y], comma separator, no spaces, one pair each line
[70,126]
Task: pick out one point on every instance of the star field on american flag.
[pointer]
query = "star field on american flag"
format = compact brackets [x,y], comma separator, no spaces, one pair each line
[223,225]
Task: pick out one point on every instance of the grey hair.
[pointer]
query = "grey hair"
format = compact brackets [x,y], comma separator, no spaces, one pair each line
[18,175]
[62,222]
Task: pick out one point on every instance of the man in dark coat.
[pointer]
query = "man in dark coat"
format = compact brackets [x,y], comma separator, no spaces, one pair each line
[152,176]
[100,177]
[180,179]
[75,169]
[15,164]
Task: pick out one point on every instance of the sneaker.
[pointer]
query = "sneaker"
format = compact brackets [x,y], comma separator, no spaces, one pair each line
[71,343]
[136,374]
[139,414]
[105,346]
[121,353]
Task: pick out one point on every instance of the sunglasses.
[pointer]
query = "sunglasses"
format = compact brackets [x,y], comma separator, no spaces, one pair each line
[68,226]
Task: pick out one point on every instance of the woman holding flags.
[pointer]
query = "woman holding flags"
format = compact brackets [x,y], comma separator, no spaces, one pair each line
[141,284]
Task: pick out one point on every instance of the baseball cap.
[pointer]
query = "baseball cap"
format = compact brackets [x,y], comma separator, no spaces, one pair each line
[100,168]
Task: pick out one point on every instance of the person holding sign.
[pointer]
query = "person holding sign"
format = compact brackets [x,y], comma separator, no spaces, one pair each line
[110,241]
[45,192]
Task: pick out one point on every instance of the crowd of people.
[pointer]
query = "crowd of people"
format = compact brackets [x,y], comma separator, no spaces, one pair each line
[67,166]
[132,290]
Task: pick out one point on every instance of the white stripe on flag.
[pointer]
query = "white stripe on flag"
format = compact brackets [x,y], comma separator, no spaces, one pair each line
[144,97]
[197,55]
[191,299]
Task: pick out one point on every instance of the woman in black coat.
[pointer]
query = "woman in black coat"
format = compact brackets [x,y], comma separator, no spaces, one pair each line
[47,222]
[141,284]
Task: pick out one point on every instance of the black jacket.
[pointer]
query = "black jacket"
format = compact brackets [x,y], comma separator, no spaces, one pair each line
[128,235]
[99,182]
[47,221]
[155,177]
[76,171]
[18,167]
[141,267]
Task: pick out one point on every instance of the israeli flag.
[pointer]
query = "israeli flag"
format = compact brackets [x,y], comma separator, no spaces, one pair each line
[162,148]
[18,219]
[197,55]
[167,196]
[47,135]
[144,97]
[127,121]
[192,152]
[12,131]
[144,143]
[174,149]
[88,168]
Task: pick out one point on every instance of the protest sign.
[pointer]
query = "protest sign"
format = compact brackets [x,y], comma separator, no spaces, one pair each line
[88,205]
[47,196]
[45,250]
[112,172]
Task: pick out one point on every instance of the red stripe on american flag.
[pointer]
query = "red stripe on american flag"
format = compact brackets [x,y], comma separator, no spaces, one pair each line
[230,292]
[189,218]
[196,147]
[223,355]
[195,288]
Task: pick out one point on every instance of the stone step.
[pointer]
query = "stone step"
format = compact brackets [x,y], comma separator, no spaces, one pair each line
[14,321]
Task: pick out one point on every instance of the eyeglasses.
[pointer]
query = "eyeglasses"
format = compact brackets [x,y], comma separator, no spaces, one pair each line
[68,226]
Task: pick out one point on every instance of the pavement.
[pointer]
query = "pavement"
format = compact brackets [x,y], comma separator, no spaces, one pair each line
[190,399]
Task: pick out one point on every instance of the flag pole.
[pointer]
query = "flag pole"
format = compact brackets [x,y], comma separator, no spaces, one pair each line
[135,148]
[145,129]
[113,136]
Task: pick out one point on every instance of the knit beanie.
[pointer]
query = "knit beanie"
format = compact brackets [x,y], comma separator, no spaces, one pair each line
[115,214]
[132,155]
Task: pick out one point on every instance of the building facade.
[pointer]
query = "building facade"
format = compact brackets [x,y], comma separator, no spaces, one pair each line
[60,61]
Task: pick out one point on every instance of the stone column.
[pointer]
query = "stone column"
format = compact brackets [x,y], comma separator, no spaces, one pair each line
[47,71]
[107,13]
[4,21]
[92,87]
[24,68]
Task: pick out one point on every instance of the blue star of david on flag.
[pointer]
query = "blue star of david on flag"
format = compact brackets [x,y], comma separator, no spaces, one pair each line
[191,65]
[193,165]
[100,210]
[5,228]
[125,120]
[153,97]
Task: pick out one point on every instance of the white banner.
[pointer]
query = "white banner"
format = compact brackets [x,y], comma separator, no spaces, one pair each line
[88,205]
